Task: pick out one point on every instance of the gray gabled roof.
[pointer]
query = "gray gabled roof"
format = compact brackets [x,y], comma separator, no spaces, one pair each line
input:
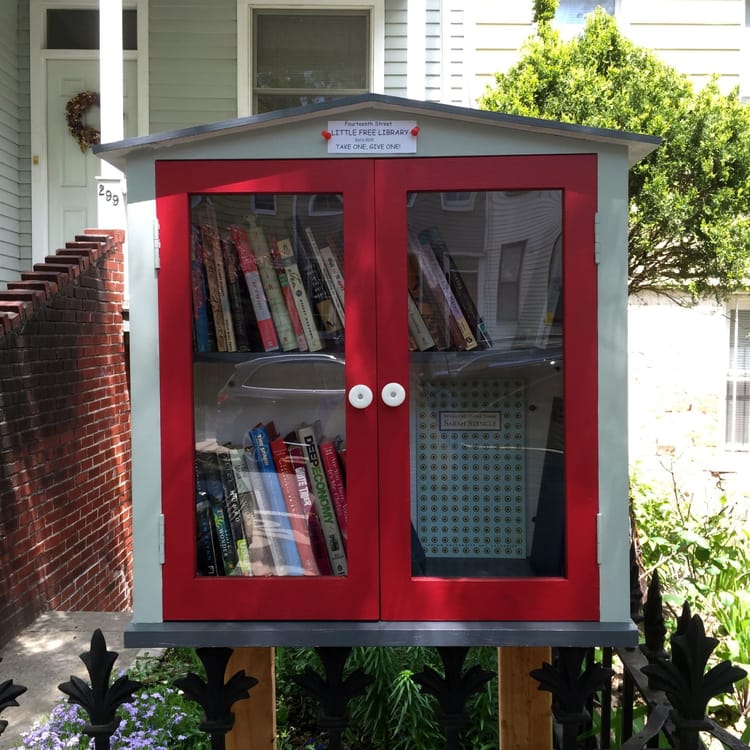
[638,145]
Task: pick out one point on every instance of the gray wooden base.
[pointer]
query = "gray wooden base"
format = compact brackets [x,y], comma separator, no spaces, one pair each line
[242,634]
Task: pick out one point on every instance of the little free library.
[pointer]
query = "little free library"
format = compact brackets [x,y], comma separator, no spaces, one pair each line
[379,382]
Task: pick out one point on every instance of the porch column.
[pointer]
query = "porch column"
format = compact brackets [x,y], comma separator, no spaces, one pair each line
[110,183]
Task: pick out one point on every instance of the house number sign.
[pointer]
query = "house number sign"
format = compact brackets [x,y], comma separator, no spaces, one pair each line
[372,137]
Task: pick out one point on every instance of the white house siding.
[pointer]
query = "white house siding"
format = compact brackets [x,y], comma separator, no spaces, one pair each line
[193,62]
[395,82]
[697,37]
[433,52]
[677,360]
[24,137]
[9,144]
[497,31]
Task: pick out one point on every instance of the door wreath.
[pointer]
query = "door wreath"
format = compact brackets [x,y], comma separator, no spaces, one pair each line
[75,109]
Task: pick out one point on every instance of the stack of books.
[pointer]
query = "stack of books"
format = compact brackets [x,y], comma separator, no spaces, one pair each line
[273,507]
[253,292]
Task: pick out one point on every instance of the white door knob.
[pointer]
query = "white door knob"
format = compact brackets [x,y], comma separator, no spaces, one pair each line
[393,394]
[360,396]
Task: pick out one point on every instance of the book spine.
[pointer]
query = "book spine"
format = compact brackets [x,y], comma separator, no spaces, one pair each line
[433,238]
[461,334]
[323,502]
[272,486]
[272,288]
[304,485]
[288,295]
[318,544]
[236,305]
[200,300]
[330,323]
[212,250]
[212,282]
[234,512]
[265,548]
[299,295]
[269,339]
[418,330]
[294,504]
[326,274]
[336,485]
[334,271]
[429,307]
[209,488]
[207,562]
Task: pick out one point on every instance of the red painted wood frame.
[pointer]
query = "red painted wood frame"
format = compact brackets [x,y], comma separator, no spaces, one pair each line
[576,596]
[380,584]
[187,596]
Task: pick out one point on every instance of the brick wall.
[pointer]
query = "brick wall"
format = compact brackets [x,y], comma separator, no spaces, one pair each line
[65,531]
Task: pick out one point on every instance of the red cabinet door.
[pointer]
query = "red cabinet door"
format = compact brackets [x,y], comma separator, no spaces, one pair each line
[470,318]
[205,396]
[490,512]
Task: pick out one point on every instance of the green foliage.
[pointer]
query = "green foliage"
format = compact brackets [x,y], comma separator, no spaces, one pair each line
[393,714]
[703,557]
[689,223]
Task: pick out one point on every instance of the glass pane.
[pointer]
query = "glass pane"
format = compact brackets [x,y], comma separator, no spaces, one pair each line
[273,102]
[739,340]
[268,314]
[288,52]
[575,11]
[79,29]
[486,391]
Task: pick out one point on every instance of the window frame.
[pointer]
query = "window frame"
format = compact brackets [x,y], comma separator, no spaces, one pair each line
[735,376]
[568,29]
[246,93]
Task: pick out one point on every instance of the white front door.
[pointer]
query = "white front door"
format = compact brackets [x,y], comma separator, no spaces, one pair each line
[71,173]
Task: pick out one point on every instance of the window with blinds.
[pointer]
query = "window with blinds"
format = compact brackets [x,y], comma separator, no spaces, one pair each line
[307,56]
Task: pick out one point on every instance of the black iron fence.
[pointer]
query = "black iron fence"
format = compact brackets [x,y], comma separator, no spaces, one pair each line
[669,681]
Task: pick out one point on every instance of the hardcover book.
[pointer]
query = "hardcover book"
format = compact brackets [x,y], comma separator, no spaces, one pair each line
[330,272]
[234,510]
[272,288]
[234,293]
[299,294]
[294,504]
[269,339]
[201,324]
[209,490]
[217,288]
[317,290]
[261,442]
[336,485]
[324,507]
[427,306]
[304,485]
[265,546]
[288,294]
[432,238]
[429,269]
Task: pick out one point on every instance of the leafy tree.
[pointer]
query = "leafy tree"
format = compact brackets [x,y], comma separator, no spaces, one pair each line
[690,199]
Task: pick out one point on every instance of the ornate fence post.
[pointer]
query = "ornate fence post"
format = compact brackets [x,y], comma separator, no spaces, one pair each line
[333,692]
[452,691]
[100,700]
[686,683]
[8,694]
[214,695]
[571,688]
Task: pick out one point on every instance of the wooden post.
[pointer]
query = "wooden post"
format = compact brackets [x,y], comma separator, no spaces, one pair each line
[525,712]
[255,718]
